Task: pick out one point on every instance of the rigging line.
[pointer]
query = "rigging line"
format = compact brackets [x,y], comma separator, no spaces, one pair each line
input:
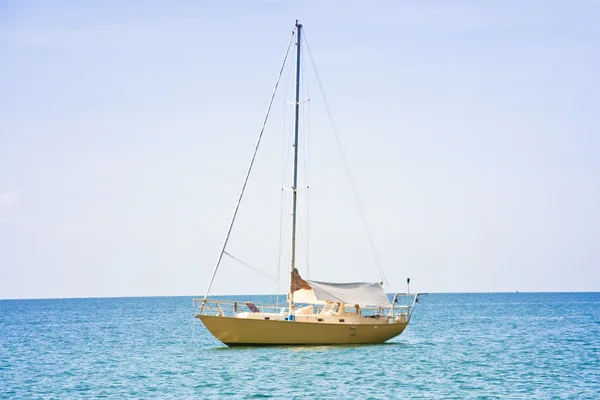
[237,206]
[304,242]
[285,143]
[263,273]
[308,191]
[282,220]
[289,137]
[305,127]
[280,250]
[289,79]
[280,242]
[283,175]
[347,167]
[306,141]
[286,128]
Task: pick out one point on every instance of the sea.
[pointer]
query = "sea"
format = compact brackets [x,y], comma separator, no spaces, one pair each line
[457,346]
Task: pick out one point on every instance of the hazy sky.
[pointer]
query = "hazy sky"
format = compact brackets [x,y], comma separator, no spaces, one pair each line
[472,130]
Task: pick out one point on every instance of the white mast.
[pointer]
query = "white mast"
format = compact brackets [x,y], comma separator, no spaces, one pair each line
[295,184]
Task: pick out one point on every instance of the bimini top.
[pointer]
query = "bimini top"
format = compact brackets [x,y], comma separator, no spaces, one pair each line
[361,293]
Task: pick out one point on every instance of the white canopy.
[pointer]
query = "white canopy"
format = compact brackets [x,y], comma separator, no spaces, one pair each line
[361,293]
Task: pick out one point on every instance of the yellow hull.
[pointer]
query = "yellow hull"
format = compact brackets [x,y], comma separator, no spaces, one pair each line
[255,332]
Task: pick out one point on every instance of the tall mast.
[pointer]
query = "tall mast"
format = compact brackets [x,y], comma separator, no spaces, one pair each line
[295,184]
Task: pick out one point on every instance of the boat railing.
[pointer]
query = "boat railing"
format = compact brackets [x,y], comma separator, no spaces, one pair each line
[231,308]
[411,299]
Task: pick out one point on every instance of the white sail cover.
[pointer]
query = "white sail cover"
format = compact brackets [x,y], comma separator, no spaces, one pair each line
[361,293]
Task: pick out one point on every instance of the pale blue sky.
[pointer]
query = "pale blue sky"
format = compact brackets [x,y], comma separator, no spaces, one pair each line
[472,129]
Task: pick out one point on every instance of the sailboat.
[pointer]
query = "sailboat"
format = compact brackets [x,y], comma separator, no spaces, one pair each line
[317,313]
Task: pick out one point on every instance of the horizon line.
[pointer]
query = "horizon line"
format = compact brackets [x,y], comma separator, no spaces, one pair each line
[270,294]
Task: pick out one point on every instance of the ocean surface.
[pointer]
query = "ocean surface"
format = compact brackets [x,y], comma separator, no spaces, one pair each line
[499,345]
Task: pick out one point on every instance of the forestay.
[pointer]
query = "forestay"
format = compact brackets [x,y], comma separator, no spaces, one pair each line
[361,293]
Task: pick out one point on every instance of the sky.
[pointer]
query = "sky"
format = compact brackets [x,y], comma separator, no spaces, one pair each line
[472,130]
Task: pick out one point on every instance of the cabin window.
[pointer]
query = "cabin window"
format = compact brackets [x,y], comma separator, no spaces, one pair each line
[319,319]
[267,317]
[342,320]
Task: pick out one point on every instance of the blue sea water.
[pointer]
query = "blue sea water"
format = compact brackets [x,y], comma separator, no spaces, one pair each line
[500,345]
